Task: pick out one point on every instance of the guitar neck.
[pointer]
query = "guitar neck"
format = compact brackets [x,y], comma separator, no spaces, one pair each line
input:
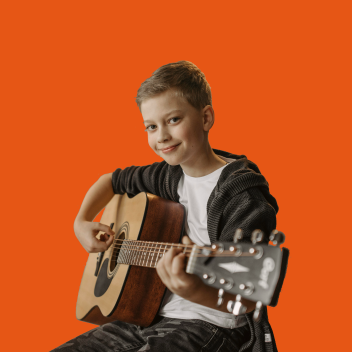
[144,253]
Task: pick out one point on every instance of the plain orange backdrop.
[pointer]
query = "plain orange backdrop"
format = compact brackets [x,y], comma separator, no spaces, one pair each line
[280,75]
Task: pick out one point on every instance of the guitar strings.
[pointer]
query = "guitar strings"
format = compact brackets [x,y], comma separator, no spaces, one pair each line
[223,254]
[188,255]
[153,263]
[226,253]
[156,246]
[136,243]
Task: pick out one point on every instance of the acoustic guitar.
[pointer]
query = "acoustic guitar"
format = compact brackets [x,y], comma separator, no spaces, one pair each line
[122,283]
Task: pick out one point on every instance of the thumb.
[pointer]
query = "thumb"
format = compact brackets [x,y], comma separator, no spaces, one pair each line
[186,240]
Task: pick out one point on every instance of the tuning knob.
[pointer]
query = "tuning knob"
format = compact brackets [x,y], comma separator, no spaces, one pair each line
[257,236]
[247,288]
[257,252]
[220,297]
[237,307]
[277,237]
[236,250]
[257,311]
[218,247]
[238,235]
[228,283]
[211,278]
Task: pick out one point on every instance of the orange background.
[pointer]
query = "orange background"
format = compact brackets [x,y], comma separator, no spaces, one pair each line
[280,74]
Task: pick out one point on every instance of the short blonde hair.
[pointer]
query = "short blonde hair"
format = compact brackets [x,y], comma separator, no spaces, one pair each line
[188,80]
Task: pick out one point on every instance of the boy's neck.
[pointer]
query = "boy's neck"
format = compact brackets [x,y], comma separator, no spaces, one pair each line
[205,164]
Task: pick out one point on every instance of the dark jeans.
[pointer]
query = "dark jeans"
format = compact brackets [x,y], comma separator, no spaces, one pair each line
[167,335]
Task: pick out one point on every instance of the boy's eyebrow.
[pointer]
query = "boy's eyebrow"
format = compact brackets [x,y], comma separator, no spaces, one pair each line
[169,113]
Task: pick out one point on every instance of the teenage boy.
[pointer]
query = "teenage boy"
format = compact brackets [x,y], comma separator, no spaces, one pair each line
[221,193]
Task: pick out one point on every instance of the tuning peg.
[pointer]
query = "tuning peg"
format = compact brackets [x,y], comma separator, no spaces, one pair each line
[248,288]
[238,235]
[218,247]
[237,307]
[211,278]
[257,310]
[220,298]
[257,236]
[277,237]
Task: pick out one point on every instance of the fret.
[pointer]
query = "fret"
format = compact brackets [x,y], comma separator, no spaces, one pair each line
[125,251]
[126,244]
[165,249]
[135,260]
[141,255]
[153,251]
[128,257]
[159,255]
[118,259]
[122,252]
[148,251]
[130,252]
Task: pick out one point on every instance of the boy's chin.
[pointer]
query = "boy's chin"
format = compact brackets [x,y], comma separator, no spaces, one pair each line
[171,163]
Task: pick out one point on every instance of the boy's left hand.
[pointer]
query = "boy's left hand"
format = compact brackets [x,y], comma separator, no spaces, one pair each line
[171,270]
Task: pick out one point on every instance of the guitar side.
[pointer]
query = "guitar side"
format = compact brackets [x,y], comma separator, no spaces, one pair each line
[122,292]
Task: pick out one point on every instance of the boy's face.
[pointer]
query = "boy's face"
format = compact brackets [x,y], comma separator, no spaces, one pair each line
[171,121]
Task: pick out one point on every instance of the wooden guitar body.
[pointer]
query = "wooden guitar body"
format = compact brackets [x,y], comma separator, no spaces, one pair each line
[129,293]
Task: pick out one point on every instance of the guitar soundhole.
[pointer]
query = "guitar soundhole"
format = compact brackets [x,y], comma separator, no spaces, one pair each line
[116,251]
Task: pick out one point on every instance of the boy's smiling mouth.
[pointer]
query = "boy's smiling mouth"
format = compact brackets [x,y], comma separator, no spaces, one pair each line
[168,149]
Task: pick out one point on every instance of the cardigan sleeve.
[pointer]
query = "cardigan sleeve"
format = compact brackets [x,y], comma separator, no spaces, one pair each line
[135,179]
[248,214]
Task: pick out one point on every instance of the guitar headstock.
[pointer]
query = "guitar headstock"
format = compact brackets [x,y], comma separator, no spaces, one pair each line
[254,270]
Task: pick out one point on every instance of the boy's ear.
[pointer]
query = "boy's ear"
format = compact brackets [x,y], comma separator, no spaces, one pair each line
[208,117]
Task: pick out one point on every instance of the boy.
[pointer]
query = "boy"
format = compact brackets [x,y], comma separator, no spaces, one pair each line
[220,191]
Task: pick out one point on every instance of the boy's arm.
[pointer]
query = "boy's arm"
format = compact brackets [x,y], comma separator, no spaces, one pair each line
[171,270]
[97,197]
[131,180]
[247,214]
[135,179]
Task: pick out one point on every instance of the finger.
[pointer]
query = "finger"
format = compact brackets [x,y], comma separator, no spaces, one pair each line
[162,272]
[103,245]
[186,240]
[178,265]
[109,241]
[104,237]
[169,256]
[104,228]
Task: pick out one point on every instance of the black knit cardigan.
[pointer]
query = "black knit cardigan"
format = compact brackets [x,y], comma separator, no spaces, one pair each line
[240,199]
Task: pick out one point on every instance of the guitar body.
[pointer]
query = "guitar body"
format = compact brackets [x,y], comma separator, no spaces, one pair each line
[129,293]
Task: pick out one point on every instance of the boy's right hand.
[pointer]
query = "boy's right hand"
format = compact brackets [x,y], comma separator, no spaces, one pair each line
[86,232]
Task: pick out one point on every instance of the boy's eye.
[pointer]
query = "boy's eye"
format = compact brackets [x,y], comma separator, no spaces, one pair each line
[148,129]
[152,129]
[175,118]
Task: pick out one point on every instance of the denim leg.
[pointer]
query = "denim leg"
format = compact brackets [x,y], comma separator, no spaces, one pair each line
[178,335]
[168,335]
[114,336]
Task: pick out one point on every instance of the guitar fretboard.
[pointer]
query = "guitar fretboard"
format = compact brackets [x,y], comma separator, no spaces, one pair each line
[142,253]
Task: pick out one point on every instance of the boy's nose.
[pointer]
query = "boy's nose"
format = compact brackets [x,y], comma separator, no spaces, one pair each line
[163,136]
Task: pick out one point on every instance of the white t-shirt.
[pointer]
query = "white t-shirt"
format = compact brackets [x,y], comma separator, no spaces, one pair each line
[194,193]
